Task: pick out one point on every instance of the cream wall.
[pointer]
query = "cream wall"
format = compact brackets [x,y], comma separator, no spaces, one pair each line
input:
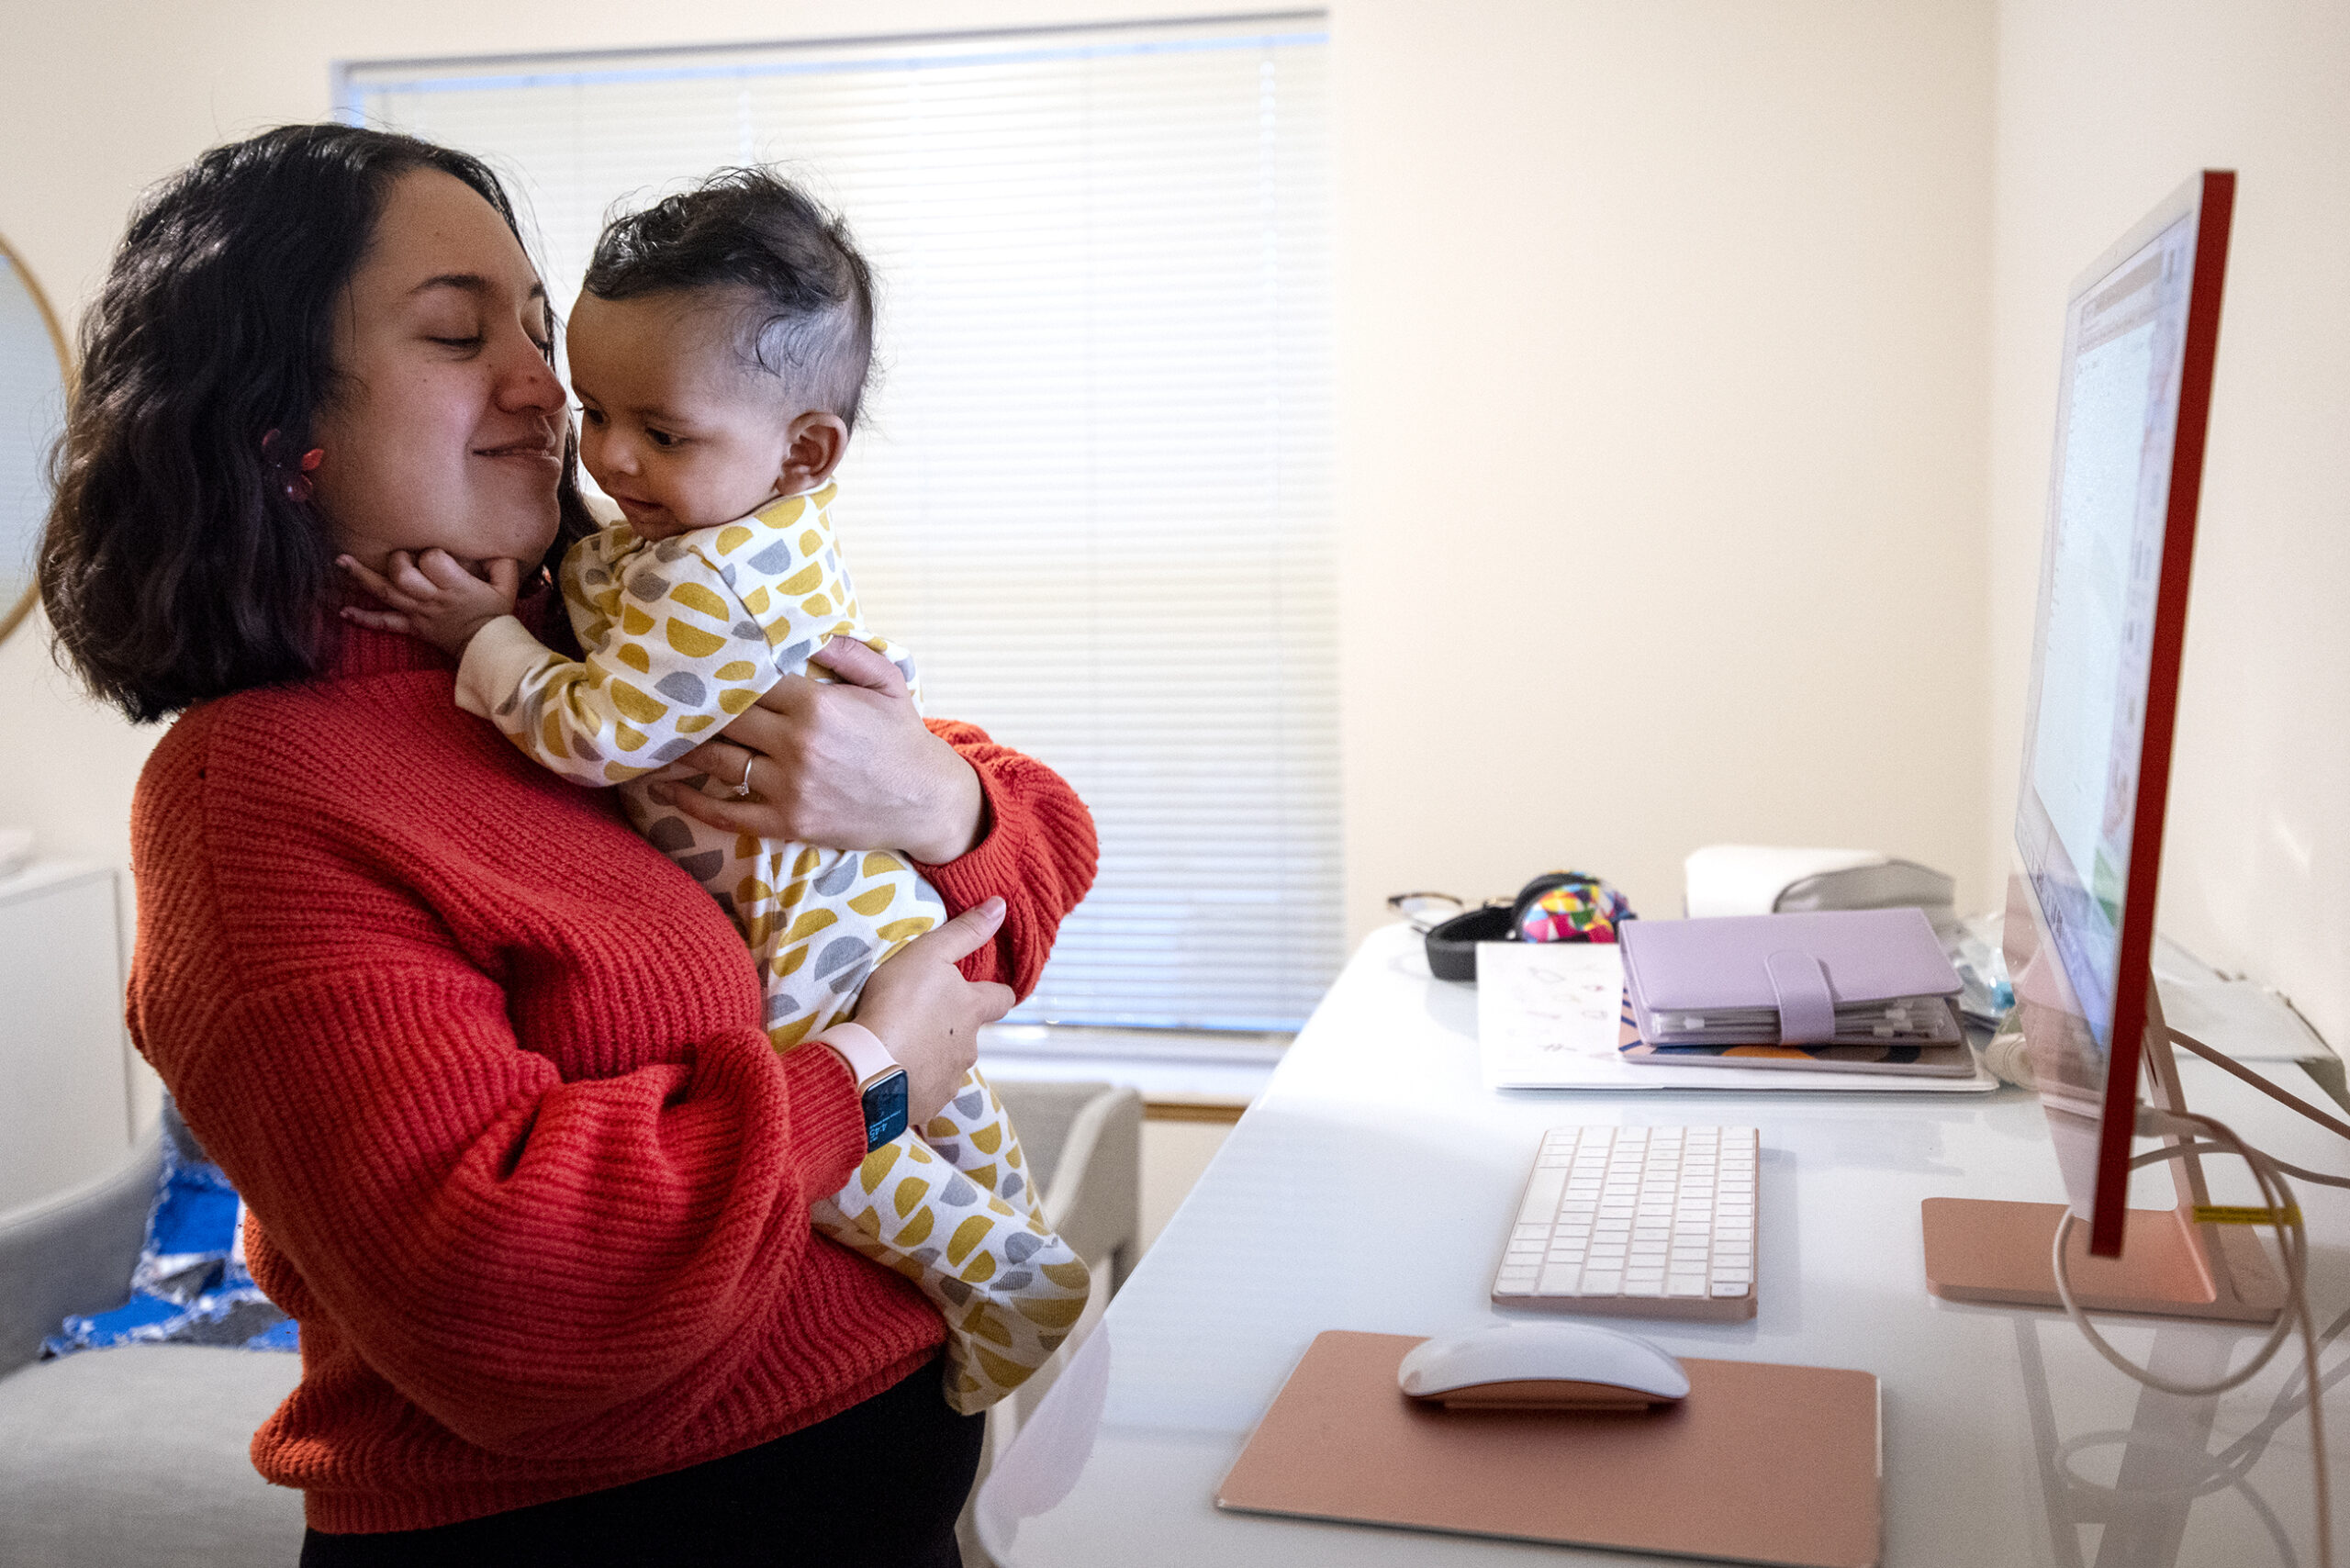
[1662,406]
[1661,435]
[2103,107]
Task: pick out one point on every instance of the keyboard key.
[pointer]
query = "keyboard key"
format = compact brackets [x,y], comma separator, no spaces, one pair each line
[1636,1222]
[1542,1195]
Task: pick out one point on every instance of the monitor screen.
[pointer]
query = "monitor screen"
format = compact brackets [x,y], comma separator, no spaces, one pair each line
[2139,330]
[2102,563]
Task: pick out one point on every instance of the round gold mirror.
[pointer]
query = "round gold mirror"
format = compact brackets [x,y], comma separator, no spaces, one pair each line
[32,411]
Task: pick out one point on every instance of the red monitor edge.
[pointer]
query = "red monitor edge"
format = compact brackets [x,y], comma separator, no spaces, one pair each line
[2133,971]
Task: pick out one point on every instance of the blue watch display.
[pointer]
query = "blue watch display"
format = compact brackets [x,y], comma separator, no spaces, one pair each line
[885,1108]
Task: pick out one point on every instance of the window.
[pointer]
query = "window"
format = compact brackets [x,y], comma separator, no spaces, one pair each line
[1092,488]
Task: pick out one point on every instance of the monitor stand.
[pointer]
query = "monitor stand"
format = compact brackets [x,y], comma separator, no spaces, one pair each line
[1981,1249]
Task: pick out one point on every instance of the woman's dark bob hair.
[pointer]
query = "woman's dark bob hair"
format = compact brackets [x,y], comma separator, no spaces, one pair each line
[179,564]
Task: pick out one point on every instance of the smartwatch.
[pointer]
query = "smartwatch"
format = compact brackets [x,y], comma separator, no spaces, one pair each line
[881,1082]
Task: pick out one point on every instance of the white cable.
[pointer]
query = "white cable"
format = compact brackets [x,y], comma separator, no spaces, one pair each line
[2292,1243]
[2217,1476]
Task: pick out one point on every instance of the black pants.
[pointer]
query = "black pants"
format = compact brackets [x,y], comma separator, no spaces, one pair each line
[878,1485]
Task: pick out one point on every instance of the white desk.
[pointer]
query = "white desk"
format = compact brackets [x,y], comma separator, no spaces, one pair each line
[1370,1189]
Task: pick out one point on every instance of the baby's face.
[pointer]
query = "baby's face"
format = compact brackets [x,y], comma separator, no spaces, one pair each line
[673,425]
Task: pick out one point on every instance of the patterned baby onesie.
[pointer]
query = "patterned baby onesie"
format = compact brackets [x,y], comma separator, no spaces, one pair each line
[678,637]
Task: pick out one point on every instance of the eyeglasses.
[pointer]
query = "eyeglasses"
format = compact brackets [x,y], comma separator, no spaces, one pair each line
[1428,910]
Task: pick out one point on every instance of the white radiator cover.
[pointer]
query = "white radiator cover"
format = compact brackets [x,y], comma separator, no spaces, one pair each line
[65,1110]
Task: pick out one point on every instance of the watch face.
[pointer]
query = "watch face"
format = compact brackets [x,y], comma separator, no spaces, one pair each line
[885,1109]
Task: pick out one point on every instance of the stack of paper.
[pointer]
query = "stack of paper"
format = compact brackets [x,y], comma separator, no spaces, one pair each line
[1544,1021]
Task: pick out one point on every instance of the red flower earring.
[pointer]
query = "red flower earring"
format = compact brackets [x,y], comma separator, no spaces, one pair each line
[297,489]
[297,482]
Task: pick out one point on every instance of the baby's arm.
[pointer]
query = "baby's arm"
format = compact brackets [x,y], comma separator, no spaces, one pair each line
[433,596]
[682,657]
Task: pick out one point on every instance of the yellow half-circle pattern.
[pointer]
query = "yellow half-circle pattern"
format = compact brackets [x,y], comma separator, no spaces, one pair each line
[982,1324]
[641,706]
[876,1165]
[1051,1314]
[1072,1276]
[967,1235]
[809,923]
[693,596]
[692,640]
[635,658]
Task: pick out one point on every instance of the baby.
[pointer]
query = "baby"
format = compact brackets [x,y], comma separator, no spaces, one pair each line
[719,351]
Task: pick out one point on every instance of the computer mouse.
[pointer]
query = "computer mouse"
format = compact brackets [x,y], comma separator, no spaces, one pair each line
[1542,1366]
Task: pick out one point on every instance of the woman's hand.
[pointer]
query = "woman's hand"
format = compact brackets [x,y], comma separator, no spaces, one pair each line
[919,1006]
[846,765]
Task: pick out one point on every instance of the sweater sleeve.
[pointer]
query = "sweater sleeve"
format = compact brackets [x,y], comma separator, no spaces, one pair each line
[1038,854]
[539,1265]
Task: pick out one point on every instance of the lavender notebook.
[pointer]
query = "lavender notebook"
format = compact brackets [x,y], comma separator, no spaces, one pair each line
[1842,976]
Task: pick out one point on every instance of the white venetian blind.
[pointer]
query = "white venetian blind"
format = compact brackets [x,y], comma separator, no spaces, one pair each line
[1091,490]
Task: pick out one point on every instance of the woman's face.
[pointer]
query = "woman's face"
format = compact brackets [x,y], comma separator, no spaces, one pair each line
[446,427]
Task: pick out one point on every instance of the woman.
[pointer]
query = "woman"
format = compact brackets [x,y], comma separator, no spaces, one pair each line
[487,1068]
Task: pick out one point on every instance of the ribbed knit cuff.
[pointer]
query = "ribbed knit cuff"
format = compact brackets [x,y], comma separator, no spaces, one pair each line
[984,869]
[827,1118]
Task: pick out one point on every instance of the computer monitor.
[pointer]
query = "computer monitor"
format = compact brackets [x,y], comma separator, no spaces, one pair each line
[2140,329]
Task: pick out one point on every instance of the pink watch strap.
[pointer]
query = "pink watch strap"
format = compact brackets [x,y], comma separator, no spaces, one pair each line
[867,1057]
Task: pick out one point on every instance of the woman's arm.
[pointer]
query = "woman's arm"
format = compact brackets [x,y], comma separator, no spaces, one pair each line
[543,1260]
[1037,853]
[849,765]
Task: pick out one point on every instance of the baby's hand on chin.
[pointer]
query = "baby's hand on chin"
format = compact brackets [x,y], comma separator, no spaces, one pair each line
[434,595]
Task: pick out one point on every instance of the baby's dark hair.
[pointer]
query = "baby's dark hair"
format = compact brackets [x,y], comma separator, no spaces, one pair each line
[811,322]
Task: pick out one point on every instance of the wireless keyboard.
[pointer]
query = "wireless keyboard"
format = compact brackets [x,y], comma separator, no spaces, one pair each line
[1636,1222]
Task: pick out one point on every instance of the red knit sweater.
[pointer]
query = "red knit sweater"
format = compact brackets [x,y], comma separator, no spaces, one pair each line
[489,1072]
